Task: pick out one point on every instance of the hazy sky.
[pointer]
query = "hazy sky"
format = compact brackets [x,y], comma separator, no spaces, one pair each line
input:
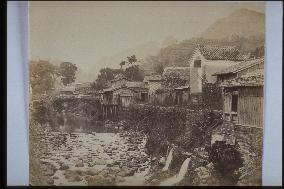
[84,32]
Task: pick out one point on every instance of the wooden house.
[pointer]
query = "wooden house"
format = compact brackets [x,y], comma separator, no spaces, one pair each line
[67,90]
[207,60]
[122,96]
[242,111]
[243,99]
[182,95]
[124,92]
[152,83]
[83,88]
[119,80]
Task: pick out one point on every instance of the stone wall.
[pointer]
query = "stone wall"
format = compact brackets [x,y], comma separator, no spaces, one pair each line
[249,140]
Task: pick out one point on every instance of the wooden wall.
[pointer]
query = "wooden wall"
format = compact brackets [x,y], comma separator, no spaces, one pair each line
[250,106]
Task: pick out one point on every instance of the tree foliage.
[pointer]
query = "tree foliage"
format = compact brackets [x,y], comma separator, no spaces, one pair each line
[131,59]
[211,94]
[42,76]
[122,63]
[134,73]
[173,80]
[104,78]
[67,71]
[227,160]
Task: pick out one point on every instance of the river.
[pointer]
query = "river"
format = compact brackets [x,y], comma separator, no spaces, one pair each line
[81,158]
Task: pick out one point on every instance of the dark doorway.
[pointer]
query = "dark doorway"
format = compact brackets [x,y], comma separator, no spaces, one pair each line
[234,103]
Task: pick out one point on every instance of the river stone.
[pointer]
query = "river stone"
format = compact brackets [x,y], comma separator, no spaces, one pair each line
[50,181]
[99,180]
[75,178]
[100,162]
[122,173]
[93,172]
[109,165]
[80,164]
[130,172]
[119,179]
[90,164]
[162,161]
[80,172]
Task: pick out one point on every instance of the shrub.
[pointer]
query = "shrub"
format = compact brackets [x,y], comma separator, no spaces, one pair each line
[227,160]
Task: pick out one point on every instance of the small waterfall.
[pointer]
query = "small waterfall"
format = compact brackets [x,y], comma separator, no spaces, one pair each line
[183,169]
[63,128]
[177,178]
[169,160]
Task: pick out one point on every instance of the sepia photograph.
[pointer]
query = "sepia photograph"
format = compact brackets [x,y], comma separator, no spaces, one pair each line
[149,93]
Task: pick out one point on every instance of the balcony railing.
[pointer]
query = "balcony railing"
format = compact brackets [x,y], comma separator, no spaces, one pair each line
[231,116]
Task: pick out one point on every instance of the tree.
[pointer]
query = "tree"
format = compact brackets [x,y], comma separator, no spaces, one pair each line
[131,59]
[67,71]
[227,160]
[42,76]
[122,63]
[104,77]
[211,94]
[134,73]
[173,80]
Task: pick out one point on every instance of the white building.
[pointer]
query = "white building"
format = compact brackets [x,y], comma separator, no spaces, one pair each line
[207,60]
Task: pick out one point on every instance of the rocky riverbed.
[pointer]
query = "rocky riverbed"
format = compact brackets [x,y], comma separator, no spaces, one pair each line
[95,158]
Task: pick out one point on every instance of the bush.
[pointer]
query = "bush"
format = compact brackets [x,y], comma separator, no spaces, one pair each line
[227,160]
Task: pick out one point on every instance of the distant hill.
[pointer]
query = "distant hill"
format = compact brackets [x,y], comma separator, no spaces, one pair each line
[243,29]
[141,51]
[242,22]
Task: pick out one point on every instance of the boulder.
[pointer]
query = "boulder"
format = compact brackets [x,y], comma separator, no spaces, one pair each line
[92,172]
[100,162]
[99,180]
[119,179]
[80,172]
[64,167]
[79,164]
[109,165]
[162,161]
[50,181]
[76,178]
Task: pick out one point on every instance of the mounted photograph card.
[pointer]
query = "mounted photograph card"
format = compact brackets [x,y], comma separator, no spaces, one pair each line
[146,93]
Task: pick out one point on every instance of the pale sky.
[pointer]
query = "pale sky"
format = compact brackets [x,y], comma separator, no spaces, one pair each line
[84,32]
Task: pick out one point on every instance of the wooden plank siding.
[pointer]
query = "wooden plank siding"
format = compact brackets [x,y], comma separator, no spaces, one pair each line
[250,106]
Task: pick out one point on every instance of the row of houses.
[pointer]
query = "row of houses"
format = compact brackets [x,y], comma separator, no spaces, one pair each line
[241,81]
[211,64]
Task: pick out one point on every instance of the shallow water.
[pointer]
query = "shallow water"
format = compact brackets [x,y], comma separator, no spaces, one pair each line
[98,150]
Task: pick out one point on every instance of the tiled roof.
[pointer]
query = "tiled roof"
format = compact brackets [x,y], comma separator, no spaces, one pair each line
[153,78]
[88,84]
[119,77]
[254,78]
[182,71]
[212,52]
[135,84]
[182,87]
[70,88]
[240,66]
